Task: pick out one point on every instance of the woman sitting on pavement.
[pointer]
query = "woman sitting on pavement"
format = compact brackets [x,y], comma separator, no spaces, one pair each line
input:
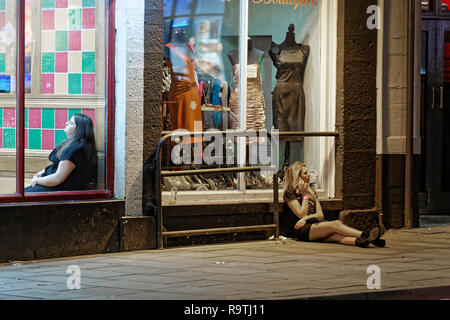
[74,161]
[305,220]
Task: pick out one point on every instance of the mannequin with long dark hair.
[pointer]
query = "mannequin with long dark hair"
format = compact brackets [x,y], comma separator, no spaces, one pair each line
[74,161]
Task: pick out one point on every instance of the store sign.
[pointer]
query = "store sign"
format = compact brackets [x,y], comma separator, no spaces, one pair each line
[293,3]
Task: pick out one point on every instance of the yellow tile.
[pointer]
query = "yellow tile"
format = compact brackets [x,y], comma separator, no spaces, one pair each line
[88,40]
[48,41]
[61,83]
[61,19]
[75,62]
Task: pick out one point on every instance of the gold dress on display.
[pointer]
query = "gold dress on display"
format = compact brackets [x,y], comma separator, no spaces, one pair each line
[256,116]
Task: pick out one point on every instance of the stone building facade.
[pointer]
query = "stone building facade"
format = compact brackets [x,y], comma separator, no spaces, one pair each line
[371,90]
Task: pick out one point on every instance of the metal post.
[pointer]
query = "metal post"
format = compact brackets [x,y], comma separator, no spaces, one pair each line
[158,192]
[243,53]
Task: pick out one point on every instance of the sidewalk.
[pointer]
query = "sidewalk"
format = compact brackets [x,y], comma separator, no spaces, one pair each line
[288,269]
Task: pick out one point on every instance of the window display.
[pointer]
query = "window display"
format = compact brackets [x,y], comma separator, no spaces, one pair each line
[65,74]
[287,72]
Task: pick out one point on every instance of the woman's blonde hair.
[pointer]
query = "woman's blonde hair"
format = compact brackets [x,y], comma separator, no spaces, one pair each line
[291,177]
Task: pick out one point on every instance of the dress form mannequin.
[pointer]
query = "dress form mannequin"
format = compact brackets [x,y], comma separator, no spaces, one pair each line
[184,100]
[254,55]
[180,45]
[255,110]
[290,59]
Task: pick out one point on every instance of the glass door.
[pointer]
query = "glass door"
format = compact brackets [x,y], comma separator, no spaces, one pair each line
[436,114]
[441,115]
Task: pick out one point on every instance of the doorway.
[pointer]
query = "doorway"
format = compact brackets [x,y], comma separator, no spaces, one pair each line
[434,196]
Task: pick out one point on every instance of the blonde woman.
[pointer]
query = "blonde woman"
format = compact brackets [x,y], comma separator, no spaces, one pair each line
[304,216]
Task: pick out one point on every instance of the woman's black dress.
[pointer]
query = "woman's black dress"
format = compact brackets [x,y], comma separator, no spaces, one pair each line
[288,219]
[83,177]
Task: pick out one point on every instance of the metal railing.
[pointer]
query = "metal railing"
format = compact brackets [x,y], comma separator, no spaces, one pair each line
[161,234]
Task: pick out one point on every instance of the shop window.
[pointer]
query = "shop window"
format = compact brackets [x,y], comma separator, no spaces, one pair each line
[445,5]
[290,75]
[65,79]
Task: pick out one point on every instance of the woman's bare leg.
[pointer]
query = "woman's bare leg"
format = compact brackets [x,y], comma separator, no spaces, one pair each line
[338,238]
[325,229]
[348,231]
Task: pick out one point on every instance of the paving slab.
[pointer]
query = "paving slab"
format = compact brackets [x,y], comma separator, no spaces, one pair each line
[264,270]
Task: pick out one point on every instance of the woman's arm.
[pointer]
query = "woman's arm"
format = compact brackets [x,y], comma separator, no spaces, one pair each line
[300,210]
[319,212]
[65,168]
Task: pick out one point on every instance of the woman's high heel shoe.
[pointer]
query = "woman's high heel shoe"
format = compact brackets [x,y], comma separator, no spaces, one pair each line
[380,242]
[367,237]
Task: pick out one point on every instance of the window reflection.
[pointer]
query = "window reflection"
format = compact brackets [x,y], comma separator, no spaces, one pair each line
[445,5]
[196,79]
[184,7]
[211,6]
[168,8]
[426,6]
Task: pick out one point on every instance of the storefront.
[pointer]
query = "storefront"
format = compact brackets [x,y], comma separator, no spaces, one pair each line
[143,69]
[290,86]
[255,65]
[56,70]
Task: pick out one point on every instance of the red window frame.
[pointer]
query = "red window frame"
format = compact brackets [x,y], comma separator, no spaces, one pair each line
[20,195]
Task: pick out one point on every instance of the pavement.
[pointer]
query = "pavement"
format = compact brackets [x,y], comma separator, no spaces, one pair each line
[413,265]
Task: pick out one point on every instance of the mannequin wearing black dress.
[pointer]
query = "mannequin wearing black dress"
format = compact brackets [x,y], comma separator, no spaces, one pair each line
[290,59]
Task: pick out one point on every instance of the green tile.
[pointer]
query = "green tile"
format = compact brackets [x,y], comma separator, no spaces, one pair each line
[2,62]
[88,59]
[48,62]
[60,136]
[62,40]
[74,19]
[3,5]
[88,3]
[74,83]
[34,139]
[9,138]
[26,118]
[48,118]
[48,4]
[72,112]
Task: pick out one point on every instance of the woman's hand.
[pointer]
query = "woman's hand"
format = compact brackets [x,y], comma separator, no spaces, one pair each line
[302,186]
[34,181]
[300,224]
